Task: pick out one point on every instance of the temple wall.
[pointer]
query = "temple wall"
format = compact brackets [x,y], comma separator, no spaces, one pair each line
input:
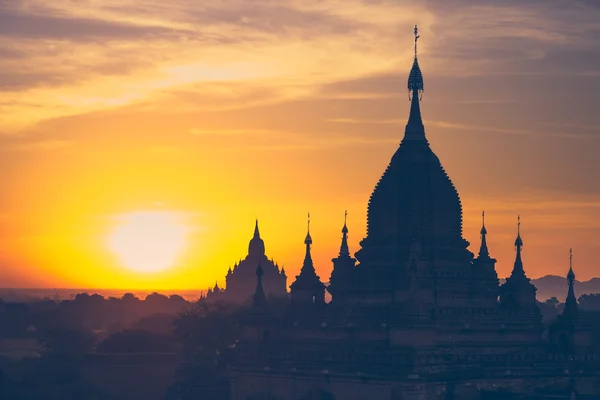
[280,387]
[259,386]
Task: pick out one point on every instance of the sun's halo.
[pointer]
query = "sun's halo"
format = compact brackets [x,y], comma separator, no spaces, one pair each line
[148,241]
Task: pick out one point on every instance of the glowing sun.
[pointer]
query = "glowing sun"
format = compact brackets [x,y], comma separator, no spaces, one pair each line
[148,241]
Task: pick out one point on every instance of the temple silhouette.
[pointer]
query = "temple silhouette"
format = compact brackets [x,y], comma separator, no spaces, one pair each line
[237,288]
[415,315]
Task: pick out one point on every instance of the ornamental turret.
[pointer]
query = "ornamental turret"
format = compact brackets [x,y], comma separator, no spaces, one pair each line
[483,249]
[483,289]
[571,331]
[518,289]
[308,288]
[343,268]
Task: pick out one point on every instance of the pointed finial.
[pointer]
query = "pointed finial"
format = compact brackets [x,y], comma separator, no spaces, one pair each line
[416,38]
[308,239]
[256,231]
[519,241]
[415,87]
[571,274]
[345,227]
[483,230]
[571,258]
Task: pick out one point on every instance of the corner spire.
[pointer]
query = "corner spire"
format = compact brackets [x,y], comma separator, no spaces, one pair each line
[308,267]
[414,128]
[259,294]
[571,301]
[344,250]
[483,250]
[308,242]
[518,270]
[308,286]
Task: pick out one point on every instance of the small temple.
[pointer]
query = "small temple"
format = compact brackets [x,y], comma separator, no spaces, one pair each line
[307,288]
[240,280]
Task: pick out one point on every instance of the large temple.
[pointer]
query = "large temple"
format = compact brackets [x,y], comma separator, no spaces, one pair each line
[415,315]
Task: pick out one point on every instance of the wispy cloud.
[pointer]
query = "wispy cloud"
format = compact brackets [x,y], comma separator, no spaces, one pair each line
[130,50]
[34,145]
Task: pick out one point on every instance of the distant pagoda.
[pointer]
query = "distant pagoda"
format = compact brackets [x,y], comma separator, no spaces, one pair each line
[240,280]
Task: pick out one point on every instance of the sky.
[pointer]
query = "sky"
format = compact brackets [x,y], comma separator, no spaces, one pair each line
[221,112]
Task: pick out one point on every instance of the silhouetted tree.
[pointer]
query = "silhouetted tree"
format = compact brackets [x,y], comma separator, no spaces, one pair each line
[65,341]
[161,323]
[14,319]
[207,331]
[549,309]
[53,377]
[590,302]
[136,341]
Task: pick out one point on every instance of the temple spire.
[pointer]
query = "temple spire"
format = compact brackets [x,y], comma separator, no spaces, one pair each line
[308,268]
[518,270]
[483,250]
[414,127]
[256,247]
[308,286]
[571,302]
[259,294]
[344,250]
[256,232]
[308,243]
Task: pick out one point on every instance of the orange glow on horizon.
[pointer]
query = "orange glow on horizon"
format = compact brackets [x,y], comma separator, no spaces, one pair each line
[198,123]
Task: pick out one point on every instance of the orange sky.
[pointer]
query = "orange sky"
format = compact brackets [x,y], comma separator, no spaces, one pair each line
[270,109]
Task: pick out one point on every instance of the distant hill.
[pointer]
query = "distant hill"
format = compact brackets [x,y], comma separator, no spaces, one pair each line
[557,286]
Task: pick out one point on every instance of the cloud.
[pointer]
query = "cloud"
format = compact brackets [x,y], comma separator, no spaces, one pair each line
[59,61]
[34,145]
[17,80]
[212,132]
[20,25]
